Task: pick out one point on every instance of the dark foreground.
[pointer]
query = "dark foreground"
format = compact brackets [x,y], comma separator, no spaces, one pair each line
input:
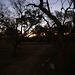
[32,59]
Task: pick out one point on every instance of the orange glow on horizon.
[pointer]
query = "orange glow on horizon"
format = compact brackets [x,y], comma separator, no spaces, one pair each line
[43,34]
[27,35]
[33,35]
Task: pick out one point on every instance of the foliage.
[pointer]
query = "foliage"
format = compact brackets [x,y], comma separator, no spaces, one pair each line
[11,33]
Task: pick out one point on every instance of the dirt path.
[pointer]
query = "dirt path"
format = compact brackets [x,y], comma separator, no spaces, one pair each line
[25,65]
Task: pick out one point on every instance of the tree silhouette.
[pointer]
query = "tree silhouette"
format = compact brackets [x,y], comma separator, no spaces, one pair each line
[19,7]
[4,16]
[47,11]
[31,18]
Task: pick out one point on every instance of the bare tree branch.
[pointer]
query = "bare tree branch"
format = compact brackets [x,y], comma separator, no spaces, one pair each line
[48,14]
[47,22]
[51,16]
[41,3]
[48,6]
[33,5]
[70,4]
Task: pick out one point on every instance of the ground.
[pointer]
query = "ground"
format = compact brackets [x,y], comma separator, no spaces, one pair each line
[34,58]
[29,56]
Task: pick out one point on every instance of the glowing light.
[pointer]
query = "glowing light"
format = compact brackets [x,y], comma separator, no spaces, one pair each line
[27,35]
[55,33]
[42,34]
[66,33]
[63,33]
[33,35]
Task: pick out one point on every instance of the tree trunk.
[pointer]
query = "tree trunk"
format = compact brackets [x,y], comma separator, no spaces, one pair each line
[61,53]
[60,37]
[15,48]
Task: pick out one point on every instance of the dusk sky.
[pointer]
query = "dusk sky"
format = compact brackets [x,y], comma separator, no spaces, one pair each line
[53,6]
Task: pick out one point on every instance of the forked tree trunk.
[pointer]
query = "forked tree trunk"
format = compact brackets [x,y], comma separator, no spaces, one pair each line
[17,43]
[60,37]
